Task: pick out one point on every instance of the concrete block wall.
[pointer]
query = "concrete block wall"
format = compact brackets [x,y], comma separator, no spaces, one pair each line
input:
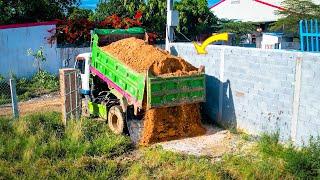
[260,91]
[309,109]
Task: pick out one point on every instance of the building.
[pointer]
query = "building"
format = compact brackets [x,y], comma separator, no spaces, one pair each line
[262,13]
[247,10]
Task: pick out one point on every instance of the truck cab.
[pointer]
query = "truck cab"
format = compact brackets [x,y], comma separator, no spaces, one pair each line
[83,65]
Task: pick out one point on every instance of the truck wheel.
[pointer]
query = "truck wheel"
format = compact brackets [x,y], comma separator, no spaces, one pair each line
[116,119]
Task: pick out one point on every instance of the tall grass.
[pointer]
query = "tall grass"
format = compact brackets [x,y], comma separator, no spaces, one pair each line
[270,159]
[156,163]
[39,146]
[303,163]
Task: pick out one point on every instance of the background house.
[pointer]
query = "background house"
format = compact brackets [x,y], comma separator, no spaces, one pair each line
[247,10]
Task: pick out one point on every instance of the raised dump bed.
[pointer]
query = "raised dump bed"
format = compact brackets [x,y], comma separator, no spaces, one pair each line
[165,90]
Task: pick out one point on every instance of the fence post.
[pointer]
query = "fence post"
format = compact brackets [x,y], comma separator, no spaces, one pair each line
[14,99]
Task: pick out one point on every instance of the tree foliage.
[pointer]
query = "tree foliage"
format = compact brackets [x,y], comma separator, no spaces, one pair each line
[155,15]
[238,28]
[195,18]
[122,8]
[78,13]
[21,11]
[295,10]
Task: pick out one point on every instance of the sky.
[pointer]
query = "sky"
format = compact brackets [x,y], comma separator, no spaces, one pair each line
[91,4]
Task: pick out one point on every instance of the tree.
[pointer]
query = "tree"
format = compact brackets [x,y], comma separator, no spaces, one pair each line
[295,10]
[38,57]
[195,18]
[155,15]
[122,8]
[21,11]
[78,13]
[238,28]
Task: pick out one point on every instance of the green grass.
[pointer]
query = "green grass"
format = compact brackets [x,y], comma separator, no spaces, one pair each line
[39,84]
[38,146]
[303,163]
[157,163]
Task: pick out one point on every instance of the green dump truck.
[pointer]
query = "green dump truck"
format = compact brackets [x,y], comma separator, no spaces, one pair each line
[115,92]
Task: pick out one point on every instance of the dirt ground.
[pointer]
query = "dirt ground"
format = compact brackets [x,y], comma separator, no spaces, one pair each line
[215,143]
[50,102]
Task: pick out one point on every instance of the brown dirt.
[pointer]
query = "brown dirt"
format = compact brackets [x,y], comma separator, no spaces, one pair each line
[163,124]
[140,57]
[160,124]
[43,104]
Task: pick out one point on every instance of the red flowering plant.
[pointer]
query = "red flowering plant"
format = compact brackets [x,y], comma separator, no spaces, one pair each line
[116,22]
[75,31]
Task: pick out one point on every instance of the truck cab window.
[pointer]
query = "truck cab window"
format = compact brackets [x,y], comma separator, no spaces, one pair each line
[80,64]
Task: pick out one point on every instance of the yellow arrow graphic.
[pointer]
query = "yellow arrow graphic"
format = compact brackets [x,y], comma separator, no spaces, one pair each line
[201,49]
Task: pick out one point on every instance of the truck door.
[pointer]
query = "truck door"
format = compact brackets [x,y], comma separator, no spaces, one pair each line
[83,63]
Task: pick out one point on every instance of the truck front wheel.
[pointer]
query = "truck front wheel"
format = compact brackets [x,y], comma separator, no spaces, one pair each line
[116,119]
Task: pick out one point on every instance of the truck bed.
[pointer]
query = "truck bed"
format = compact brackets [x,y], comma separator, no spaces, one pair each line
[161,91]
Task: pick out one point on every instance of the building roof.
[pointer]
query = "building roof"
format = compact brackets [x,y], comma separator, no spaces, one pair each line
[248,10]
[28,24]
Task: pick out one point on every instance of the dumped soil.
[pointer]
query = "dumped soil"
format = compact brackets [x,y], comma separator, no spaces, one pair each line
[160,124]
[163,124]
[140,57]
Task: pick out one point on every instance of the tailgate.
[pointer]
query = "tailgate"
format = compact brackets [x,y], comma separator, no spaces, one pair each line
[175,91]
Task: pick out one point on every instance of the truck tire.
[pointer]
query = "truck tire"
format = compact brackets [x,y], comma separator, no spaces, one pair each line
[116,119]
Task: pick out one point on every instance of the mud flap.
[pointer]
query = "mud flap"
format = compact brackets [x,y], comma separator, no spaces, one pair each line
[135,130]
[135,126]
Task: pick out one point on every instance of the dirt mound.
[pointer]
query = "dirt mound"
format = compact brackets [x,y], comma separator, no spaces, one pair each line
[163,124]
[160,124]
[140,57]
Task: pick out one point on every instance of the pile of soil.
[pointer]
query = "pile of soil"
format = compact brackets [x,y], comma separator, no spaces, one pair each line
[163,124]
[141,57]
[160,124]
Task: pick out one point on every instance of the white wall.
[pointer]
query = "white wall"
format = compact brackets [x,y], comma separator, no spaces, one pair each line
[249,10]
[246,10]
[14,43]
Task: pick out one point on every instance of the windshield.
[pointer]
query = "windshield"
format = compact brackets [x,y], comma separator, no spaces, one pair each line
[80,65]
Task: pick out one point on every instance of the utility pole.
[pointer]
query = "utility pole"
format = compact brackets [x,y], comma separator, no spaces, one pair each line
[169,28]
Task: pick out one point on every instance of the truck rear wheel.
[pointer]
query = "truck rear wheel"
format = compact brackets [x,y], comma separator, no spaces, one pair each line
[116,119]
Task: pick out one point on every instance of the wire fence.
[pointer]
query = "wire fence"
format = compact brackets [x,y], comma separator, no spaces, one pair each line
[5,94]
[8,98]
